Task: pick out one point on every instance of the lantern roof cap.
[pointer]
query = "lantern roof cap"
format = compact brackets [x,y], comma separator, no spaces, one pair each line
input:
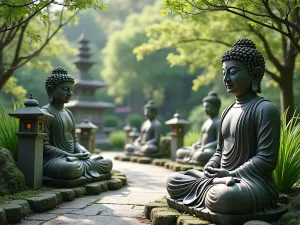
[134,132]
[31,110]
[87,124]
[177,120]
[127,127]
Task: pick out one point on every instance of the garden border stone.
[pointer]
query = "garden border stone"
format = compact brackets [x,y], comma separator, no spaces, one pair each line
[15,210]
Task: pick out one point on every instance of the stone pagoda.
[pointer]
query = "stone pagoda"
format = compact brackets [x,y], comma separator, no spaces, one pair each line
[84,104]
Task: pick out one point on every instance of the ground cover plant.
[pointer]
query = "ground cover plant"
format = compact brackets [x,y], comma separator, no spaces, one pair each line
[8,128]
[191,137]
[117,139]
[287,172]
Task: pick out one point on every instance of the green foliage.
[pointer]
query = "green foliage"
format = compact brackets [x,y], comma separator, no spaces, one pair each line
[9,126]
[135,120]
[111,121]
[191,137]
[118,139]
[287,172]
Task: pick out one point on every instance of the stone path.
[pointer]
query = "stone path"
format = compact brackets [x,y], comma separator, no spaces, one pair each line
[125,206]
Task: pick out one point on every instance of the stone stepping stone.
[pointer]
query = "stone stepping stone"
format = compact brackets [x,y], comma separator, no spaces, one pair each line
[155,210]
[96,187]
[13,212]
[124,158]
[43,202]
[144,160]
[67,194]
[195,222]
[58,196]
[114,184]
[122,178]
[182,219]
[25,205]
[164,218]
[149,207]
[2,217]
[79,191]
[134,159]
[256,222]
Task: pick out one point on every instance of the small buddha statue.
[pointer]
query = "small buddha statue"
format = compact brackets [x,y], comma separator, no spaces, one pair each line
[237,183]
[147,143]
[64,158]
[201,151]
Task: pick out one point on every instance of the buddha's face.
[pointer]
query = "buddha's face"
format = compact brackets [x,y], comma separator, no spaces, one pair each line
[236,78]
[63,92]
[149,113]
[209,109]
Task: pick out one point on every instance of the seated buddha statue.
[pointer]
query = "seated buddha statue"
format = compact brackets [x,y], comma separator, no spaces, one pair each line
[236,184]
[147,143]
[201,151]
[64,158]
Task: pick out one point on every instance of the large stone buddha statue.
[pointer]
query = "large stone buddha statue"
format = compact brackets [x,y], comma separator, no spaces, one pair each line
[237,183]
[147,143]
[66,162]
[201,151]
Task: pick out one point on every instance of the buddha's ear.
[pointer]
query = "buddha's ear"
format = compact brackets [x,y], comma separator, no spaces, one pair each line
[257,76]
[50,94]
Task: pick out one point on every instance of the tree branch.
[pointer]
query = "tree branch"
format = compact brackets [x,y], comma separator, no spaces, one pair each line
[273,76]
[28,18]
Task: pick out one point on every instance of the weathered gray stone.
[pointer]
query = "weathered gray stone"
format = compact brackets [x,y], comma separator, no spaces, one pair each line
[12,179]
[164,218]
[25,205]
[150,206]
[79,191]
[256,222]
[117,157]
[2,217]
[67,194]
[114,184]
[144,160]
[155,210]
[181,219]
[123,179]
[119,174]
[195,222]
[124,158]
[42,203]
[94,188]
[13,212]
[58,196]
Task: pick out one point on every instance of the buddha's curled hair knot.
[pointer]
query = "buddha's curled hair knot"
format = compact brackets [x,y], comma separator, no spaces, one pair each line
[58,75]
[244,50]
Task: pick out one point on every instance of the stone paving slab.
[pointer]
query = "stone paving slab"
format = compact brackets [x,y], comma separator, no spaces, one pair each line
[111,210]
[145,183]
[93,220]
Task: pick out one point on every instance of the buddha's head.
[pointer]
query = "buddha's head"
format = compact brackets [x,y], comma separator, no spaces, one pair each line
[243,68]
[150,110]
[211,104]
[59,86]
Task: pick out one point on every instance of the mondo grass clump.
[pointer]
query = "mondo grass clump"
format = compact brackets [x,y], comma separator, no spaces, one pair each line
[191,137]
[117,139]
[287,172]
[9,126]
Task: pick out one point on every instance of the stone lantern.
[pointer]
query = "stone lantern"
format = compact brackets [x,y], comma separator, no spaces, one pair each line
[30,141]
[177,134]
[127,130]
[133,134]
[87,135]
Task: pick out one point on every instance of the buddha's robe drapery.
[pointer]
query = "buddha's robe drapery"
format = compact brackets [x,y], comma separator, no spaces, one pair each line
[56,146]
[253,156]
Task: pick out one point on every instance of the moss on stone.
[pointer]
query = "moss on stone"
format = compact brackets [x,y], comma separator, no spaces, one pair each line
[12,179]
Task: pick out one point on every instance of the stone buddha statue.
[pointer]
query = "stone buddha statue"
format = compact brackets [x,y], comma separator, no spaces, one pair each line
[237,183]
[147,143]
[201,151]
[64,158]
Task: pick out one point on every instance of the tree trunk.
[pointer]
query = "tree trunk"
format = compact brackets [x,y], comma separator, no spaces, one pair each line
[287,94]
